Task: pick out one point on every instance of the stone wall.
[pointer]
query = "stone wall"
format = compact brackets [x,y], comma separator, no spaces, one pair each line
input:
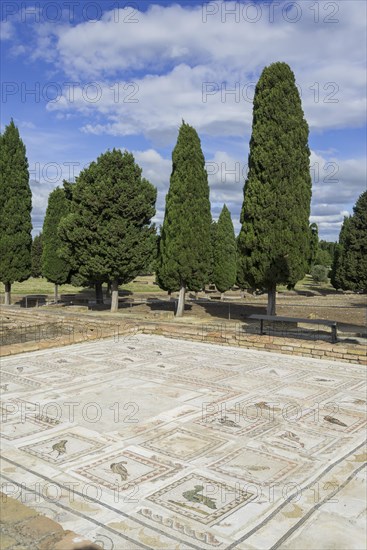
[291,346]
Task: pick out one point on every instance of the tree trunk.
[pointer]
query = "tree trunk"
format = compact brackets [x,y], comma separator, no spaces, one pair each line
[108,290]
[115,295]
[222,296]
[196,295]
[56,298]
[7,294]
[99,293]
[271,308]
[181,301]
[169,292]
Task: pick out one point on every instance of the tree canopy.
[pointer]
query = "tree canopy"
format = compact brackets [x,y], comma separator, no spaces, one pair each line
[349,270]
[56,269]
[224,253]
[108,235]
[15,210]
[36,254]
[185,248]
[273,244]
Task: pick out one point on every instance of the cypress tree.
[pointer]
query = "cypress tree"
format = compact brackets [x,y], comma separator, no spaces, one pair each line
[350,262]
[337,276]
[15,210]
[185,248]
[225,267]
[108,236]
[54,268]
[213,240]
[273,244]
[36,255]
[314,244]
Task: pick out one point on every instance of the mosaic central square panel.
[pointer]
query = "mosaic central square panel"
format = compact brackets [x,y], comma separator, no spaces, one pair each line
[125,470]
[183,444]
[254,466]
[62,448]
[200,498]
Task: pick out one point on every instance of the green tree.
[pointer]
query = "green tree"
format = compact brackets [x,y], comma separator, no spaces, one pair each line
[337,276]
[314,244]
[273,244]
[15,210]
[185,248]
[329,246]
[213,240]
[76,279]
[54,268]
[36,255]
[225,261]
[319,273]
[323,258]
[108,236]
[349,271]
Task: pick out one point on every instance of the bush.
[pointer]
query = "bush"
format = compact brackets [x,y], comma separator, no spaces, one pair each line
[319,273]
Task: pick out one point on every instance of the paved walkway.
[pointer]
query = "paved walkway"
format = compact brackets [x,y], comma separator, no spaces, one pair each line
[149,442]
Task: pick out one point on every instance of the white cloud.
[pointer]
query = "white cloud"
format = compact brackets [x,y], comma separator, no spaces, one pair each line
[166,58]
[177,53]
[6,30]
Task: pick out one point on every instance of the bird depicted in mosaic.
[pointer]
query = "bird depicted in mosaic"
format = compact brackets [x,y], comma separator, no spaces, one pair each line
[119,469]
[336,421]
[291,436]
[195,496]
[59,447]
[263,406]
[228,422]
[256,468]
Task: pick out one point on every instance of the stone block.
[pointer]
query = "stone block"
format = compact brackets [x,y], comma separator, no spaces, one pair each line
[72,541]
[40,526]
[13,511]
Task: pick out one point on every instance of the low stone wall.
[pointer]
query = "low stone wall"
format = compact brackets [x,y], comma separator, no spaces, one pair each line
[77,329]
[24,527]
[290,346]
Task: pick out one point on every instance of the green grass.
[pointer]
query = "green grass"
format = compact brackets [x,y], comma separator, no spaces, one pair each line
[42,286]
[143,283]
[308,283]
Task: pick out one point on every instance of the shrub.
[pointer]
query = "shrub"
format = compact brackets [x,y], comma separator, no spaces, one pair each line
[319,273]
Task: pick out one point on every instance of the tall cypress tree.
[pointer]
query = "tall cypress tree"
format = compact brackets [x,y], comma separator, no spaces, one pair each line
[108,236]
[225,267]
[314,244]
[273,244]
[54,268]
[36,254]
[337,277]
[213,240]
[185,248]
[349,270]
[15,210]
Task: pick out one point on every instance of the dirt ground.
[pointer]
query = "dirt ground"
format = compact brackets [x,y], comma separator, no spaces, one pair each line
[346,309]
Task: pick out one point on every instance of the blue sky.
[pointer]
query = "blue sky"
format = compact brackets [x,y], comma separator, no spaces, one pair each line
[80,77]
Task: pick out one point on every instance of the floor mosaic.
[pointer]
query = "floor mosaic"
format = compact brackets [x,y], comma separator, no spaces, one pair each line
[157,443]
